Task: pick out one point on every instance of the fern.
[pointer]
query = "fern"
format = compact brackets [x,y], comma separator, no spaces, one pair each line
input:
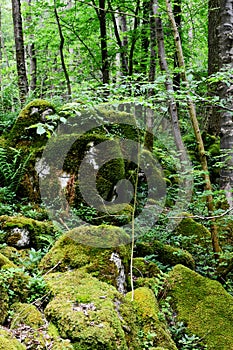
[12,169]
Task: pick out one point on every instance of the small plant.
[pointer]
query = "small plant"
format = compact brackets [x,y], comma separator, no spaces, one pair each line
[37,287]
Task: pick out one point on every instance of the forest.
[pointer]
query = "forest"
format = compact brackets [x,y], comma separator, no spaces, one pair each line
[116,174]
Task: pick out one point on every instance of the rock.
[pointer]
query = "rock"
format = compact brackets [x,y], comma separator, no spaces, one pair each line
[33,113]
[165,253]
[26,314]
[13,288]
[21,232]
[203,305]
[5,262]
[86,311]
[152,330]
[193,234]
[7,342]
[69,253]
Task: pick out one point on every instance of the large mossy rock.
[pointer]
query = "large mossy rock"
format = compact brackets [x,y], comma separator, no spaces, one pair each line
[192,234]
[153,331]
[33,113]
[203,305]
[85,310]
[22,232]
[8,342]
[26,314]
[13,288]
[165,253]
[107,264]
[5,262]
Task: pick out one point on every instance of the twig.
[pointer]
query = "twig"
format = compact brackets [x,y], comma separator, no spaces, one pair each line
[202,217]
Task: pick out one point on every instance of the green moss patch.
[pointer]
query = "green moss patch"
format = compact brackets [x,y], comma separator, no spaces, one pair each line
[153,332]
[26,314]
[85,311]
[24,232]
[204,306]
[69,253]
[7,342]
[165,253]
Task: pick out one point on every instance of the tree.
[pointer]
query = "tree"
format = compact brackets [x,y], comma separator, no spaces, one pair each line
[19,48]
[213,63]
[226,93]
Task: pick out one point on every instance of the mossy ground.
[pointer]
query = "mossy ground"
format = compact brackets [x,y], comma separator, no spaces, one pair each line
[204,306]
[7,342]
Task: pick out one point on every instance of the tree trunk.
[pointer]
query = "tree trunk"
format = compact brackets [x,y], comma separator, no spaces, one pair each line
[213,112]
[19,47]
[226,93]
[62,41]
[193,118]
[134,38]
[32,56]
[103,42]
[177,16]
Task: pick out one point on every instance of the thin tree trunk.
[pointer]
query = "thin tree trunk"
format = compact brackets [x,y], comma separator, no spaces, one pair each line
[32,56]
[19,47]
[149,136]
[145,34]
[62,41]
[119,23]
[169,87]
[103,42]
[200,144]
[134,38]
[213,122]
[226,93]
[177,16]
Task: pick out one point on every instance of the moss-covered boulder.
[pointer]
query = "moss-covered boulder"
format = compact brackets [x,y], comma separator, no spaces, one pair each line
[35,112]
[203,305]
[153,332]
[86,311]
[26,314]
[5,262]
[8,342]
[192,234]
[21,232]
[13,288]
[81,247]
[164,253]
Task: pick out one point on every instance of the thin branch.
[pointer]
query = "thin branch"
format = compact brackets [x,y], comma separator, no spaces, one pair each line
[202,217]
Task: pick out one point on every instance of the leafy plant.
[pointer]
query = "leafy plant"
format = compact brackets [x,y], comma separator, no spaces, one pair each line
[13,166]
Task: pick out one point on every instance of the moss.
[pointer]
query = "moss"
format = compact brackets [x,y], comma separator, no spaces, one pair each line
[90,325]
[26,314]
[19,227]
[31,114]
[165,253]
[203,305]
[5,262]
[7,342]
[196,234]
[147,309]
[13,288]
[69,253]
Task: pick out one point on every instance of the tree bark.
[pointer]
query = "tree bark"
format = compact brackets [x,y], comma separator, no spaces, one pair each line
[226,93]
[101,12]
[213,125]
[62,41]
[19,47]
[193,118]
[32,56]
